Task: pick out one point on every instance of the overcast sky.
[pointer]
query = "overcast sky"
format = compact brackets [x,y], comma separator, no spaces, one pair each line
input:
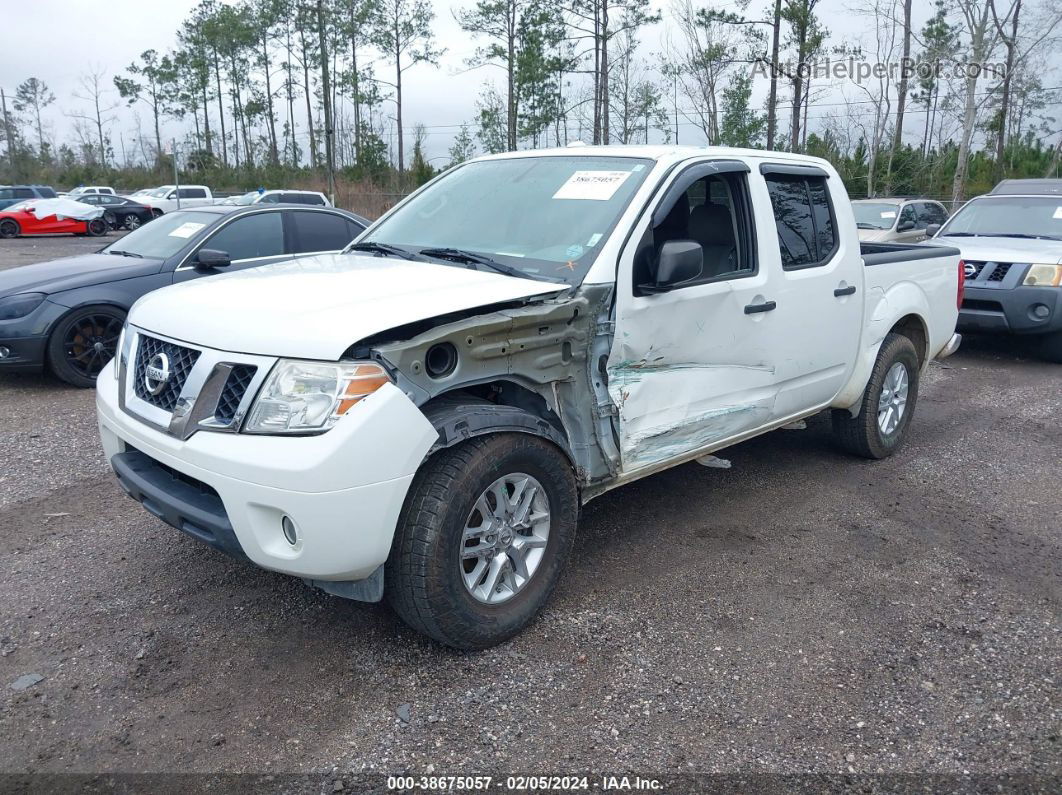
[58,40]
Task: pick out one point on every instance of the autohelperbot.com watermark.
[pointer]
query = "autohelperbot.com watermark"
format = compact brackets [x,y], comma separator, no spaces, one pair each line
[860,70]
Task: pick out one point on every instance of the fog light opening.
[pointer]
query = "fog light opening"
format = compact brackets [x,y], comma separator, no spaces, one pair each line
[1040,311]
[290,533]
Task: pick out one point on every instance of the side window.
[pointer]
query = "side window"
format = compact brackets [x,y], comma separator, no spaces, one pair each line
[269,198]
[316,231]
[935,213]
[192,193]
[260,235]
[907,220]
[24,193]
[47,193]
[714,212]
[303,198]
[803,217]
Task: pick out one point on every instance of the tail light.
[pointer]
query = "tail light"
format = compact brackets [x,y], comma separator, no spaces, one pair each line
[962,285]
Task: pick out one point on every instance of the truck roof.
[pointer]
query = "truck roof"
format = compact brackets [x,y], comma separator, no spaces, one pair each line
[661,153]
[1028,187]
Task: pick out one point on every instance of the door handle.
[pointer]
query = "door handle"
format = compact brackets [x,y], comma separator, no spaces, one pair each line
[849,290]
[766,306]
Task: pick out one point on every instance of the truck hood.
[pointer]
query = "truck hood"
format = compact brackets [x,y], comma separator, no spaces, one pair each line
[70,272]
[875,235]
[317,307]
[1004,249]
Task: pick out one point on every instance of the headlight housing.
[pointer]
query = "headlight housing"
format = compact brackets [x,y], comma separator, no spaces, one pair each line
[1043,276]
[310,397]
[16,306]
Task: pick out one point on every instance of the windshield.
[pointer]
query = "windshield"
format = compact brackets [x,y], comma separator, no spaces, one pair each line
[874,215]
[247,198]
[159,193]
[164,236]
[544,216]
[1008,216]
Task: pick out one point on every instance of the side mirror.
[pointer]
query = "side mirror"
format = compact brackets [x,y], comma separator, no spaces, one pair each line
[212,258]
[932,229]
[680,261]
[905,226]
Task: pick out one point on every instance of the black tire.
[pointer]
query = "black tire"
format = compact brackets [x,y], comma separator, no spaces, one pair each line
[1049,347]
[98,227]
[423,579]
[156,213]
[132,221]
[9,228]
[83,342]
[862,435]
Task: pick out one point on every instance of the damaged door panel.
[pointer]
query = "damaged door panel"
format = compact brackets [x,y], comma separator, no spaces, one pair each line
[552,349]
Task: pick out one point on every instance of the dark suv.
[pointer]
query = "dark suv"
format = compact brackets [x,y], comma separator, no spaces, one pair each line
[12,194]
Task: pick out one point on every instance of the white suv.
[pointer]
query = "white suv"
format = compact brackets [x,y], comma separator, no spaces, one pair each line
[280,197]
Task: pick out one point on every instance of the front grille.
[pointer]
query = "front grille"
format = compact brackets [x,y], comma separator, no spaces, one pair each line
[977,267]
[235,388]
[181,361]
[999,273]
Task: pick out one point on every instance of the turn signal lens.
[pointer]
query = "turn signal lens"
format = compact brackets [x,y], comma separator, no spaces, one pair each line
[366,379]
[1043,276]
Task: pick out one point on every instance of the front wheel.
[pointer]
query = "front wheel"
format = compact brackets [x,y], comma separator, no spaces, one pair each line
[888,403]
[9,228]
[483,537]
[83,342]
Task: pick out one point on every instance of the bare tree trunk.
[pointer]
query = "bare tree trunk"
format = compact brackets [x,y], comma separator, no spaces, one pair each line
[772,98]
[511,70]
[221,111]
[274,157]
[398,115]
[901,95]
[330,162]
[1004,100]
[604,73]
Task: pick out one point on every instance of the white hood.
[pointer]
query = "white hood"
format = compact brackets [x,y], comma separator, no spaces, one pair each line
[1004,249]
[317,307]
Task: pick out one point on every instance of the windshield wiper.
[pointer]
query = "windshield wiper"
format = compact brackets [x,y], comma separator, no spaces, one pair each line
[126,253]
[472,258]
[963,234]
[1025,236]
[381,248]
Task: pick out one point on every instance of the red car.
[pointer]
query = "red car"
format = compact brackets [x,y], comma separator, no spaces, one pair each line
[15,222]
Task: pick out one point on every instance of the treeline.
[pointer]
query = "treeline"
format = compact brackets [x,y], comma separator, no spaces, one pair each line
[290,91]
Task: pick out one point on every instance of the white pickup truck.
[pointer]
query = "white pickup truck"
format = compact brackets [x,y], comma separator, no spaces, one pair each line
[421,417]
[167,198]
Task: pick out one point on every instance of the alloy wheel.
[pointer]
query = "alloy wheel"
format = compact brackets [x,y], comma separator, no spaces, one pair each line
[893,399]
[91,342]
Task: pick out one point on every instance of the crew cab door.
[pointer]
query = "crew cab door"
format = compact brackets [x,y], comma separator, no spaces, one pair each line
[765,333]
[819,317]
[695,364]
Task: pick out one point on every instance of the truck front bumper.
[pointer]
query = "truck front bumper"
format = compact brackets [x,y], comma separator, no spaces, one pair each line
[1018,310]
[341,491]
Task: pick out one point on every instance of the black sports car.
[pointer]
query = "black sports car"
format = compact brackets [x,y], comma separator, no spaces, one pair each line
[118,211]
[66,315]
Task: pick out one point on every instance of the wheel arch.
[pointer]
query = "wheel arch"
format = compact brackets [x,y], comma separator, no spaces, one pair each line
[495,406]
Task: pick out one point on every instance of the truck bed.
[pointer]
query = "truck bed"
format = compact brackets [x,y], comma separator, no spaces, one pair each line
[885,253]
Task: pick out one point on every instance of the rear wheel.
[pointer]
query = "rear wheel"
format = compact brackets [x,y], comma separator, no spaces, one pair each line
[83,342]
[97,227]
[9,228]
[483,537]
[888,403]
[155,212]
[132,221]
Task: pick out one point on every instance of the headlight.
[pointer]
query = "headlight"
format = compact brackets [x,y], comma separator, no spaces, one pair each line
[308,397]
[1043,276]
[16,306]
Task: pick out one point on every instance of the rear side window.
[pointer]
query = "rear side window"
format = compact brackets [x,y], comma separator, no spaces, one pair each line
[260,235]
[303,198]
[47,193]
[192,193]
[24,193]
[270,198]
[320,232]
[932,214]
[803,216]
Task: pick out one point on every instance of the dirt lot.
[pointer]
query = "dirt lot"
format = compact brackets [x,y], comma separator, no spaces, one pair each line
[27,250]
[800,612]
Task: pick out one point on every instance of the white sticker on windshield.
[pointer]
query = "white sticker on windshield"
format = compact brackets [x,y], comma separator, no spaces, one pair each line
[594,240]
[186,229]
[889,214]
[593,185]
[1058,213]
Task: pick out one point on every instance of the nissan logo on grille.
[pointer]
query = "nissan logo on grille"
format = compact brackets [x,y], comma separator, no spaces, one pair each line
[970,270]
[157,373]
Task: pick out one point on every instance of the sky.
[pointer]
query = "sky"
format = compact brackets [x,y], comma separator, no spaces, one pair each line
[59,40]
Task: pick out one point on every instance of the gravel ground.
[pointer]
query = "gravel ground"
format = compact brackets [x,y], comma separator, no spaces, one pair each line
[802,612]
[27,250]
